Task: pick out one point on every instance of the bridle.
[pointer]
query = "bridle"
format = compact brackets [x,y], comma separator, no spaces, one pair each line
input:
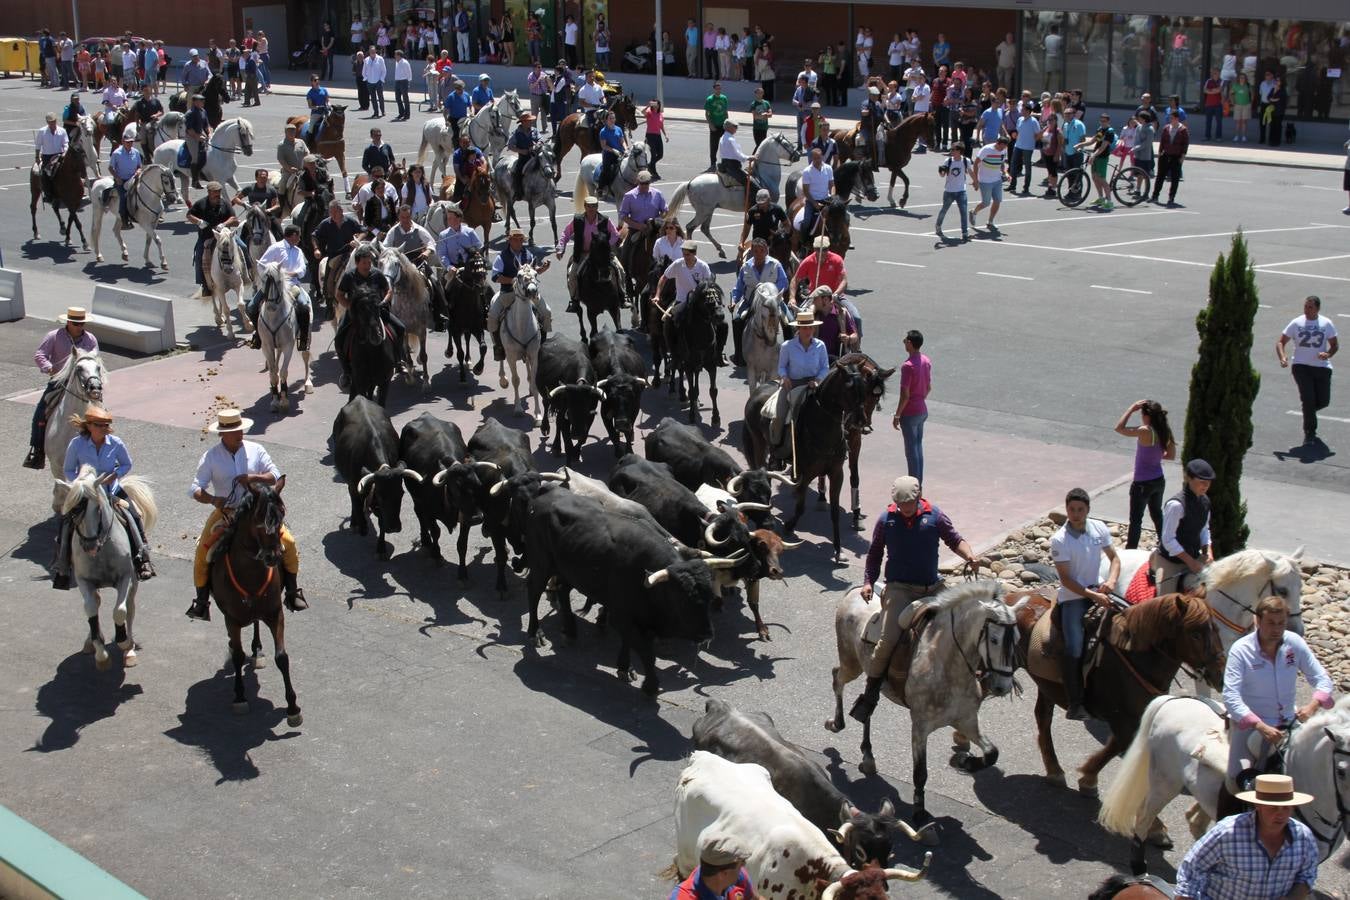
[987,665]
[275,292]
[1342,813]
[90,388]
[93,544]
[1235,627]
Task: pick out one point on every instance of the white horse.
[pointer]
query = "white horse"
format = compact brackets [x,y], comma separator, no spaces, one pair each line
[763,335]
[519,331]
[226,271]
[1180,746]
[82,381]
[277,331]
[231,137]
[488,129]
[146,201]
[168,127]
[707,193]
[258,231]
[411,302]
[101,556]
[966,652]
[84,136]
[634,161]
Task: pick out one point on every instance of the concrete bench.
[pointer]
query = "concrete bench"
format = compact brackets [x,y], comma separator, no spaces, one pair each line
[35,865]
[11,295]
[132,320]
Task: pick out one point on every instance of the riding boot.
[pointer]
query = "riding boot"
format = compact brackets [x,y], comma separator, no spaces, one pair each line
[255,342]
[737,336]
[295,597]
[1071,671]
[36,458]
[201,605]
[498,351]
[197,175]
[302,334]
[61,562]
[867,701]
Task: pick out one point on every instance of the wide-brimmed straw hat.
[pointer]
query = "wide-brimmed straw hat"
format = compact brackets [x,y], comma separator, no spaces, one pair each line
[1274,790]
[96,415]
[73,314]
[228,420]
[806,318]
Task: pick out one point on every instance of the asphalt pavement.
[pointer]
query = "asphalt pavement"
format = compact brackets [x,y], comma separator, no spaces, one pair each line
[437,751]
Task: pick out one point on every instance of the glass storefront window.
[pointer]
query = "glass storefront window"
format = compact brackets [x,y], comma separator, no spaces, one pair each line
[1131,57]
[1088,45]
[1181,41]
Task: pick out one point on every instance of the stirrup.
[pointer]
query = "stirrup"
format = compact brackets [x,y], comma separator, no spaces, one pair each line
[200,611]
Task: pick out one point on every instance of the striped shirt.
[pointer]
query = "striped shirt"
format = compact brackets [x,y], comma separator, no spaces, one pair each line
[991,160]
[1230,863]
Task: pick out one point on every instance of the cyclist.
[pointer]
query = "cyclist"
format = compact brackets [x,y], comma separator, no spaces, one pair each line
[1098,149]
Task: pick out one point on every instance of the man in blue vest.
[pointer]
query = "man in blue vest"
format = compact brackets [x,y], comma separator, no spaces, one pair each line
[907,534]
[198,128]
[1183,547]
[525,142]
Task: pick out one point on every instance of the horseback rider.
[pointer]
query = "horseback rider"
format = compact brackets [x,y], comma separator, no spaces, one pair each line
[817,188]
[408,236]
[825,268]
[1076,550]
[1183,547]
[613,146]
[803,364]
[482,95]
[311,183]
[198,129]
[291,258]
[263,194]
[125,164]
[465,161]
[765,219]
[317,99]
[1259,684]
[525,142]
[907,533]
[196,73]
[148,112]
[641,211]
[456,241]
[377,154]
[580,232]
[383,213]
[206,214]
[114,98]
[731,158]
[591,98]
[97,446]
[870,116]
[504,270]
[50,358]
[456,107]
[759,268]
[685,275]
[837,330]
[828,147]
[333,235]
[291,153]
[223,477]
[365,274]
[70,116]
[49,148]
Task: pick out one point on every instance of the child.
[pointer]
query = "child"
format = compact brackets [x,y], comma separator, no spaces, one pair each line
[100,71]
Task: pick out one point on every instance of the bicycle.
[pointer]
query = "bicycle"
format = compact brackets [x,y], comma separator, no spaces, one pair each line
[1129,184]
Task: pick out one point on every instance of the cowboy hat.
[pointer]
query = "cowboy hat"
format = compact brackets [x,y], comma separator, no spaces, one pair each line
[73,314]
[1274,790]
[806,318]
[228,420]
[689,247]
[527,118]
[96,415]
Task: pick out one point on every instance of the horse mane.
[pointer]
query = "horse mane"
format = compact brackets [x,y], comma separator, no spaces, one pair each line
[983,591]
[243,513]
[1238,566]
[83,487]
[1152,621]
[1337,718]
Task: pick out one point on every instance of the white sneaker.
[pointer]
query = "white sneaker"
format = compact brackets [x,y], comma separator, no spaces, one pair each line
[1236,138]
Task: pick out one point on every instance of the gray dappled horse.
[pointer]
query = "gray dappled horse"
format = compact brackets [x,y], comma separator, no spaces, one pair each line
[277,331]
[538,188]
[707,192]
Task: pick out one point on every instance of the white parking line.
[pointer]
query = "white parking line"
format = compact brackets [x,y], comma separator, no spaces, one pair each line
[1320,416]
[1078,220]
[891,262]
[1227,180]
[1318,187]
[1005,275]
[1107,287]
[1264,306]
[1294,262]
[1182,237]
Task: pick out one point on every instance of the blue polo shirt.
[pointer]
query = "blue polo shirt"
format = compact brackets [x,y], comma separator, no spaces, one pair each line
[611,136]
[318,96]
[481,96]
[457,104]
[990,120]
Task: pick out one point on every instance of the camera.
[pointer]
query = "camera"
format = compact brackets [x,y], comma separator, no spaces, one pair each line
[944,169]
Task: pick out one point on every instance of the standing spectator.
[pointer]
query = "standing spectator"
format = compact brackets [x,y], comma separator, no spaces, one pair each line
[737,58]
[991,120]
[265,66]
[129,79]
[234,75]
[862,48]
[1099,148]
[761,111]
[970,117]
[1052,146]
[1075,132]
[921,100]
[845,78]
[1024,145]
[1274,119]
[571,35]
[601,38]
[537,82]
[358,34]
[1153,444]
[431,77]
[802,100]
[1242,107]
[49,58]
[715,114]
[1176,139]
[895,56]
[829,74]
[1005,57]
[954,171]
[402,83]
[656,136]
[378,154]
[327,50]
[1053,46]
[1228,72]
[372,73]
[764,73]
[362,90]
[560,96]
[666,53]
[463,35]
[1315,343]
[911,410]
[65,49]
[991,166]
[691,49]
[1144,136]
[509,40]
[84,67]
[710,51]
[1264,91]
[251,65]
[942,51]
[722,44]
[534,38]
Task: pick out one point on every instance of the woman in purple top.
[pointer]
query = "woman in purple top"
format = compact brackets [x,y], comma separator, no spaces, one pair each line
[1153,444]
[916,380]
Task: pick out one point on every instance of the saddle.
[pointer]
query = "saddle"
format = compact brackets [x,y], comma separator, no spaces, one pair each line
[1046,642]
[912,623]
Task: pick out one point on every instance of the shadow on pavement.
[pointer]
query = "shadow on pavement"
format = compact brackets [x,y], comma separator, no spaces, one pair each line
[1313,451]
[79,695]
[227,739]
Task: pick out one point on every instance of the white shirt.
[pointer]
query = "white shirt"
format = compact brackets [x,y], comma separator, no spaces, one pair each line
[48,142]
[809,76]
[291,258]
[1310,337]
[218,467]
[129,63]
[592,93]
[1256,688]
[922,95]
[816,182]
[992,163]
[896,52]
[1082,552]
[1054,45]
[955,179]
[114,97]
[373,70]
[723,42]
[366,193]
[687,277]
[415,198]
[667,251]
[570,33]
[1173,510]
[1229,70]
[727,148]
[402,70]
[410,241]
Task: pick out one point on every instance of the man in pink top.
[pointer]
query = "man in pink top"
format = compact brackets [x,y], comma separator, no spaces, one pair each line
[916,380]
[50,358]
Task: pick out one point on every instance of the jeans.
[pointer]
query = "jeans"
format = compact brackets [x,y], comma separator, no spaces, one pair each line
[710,64]
[121,199]
[1145,495]
[401,99]
[67,73]
[959,198]
[1021,165]
[265,69]
[911,429]
[326,67]
[1314,392]
[1071,625]
[1214,121]
[39,426]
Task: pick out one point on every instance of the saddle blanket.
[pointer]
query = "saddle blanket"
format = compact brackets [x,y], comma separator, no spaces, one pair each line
[184,156]
[1141,587]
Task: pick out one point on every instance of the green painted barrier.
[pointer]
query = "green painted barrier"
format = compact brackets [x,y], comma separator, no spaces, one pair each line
[33,864]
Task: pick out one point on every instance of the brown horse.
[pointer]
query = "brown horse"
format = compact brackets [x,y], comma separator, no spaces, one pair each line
[331,143]
[900,147]
[121,119]
[571,133]
[874,381]
[1123,887]
[478,204]
[68,182]
[832,221]
[246,582]
[1139,654]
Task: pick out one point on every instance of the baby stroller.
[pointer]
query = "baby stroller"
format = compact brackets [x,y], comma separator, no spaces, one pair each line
[307,57]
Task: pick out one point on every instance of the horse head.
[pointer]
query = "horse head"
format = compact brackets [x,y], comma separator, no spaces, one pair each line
[526,284]
[271,283]
[365,310]
[225,248]
[640,155]
[705,301]
[335,121]
[85,369]
[85,497]
[548,168]
[262,515]
[982,622]
[245,130]
[625,111]
[874,384]
[1237,582]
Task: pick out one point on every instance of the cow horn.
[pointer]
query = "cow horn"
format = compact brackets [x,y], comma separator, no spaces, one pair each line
[416,477]
[710,536]
[366,479]
[496,488]
[912,833]
[602,382]
[750,506]
[780,476]
[645,382]
[657,577]
[792,545]
[491,465]
[439,478]
[596,391]
[832,891]
[844,833]
[909,874]
[552,476]
[732,485]
[553,394]
[719,562]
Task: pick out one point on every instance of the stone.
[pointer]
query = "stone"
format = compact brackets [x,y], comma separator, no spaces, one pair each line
[1056,516]
[1029,577]
[1030,557]
[1309,566]
[1044,544]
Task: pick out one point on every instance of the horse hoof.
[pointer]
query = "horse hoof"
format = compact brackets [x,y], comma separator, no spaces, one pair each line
[98,257]
[1057,780]
[295,721]
[88,646]
[540,641]
[1088,789]
[239,708]
[309,387]
[834,726]
[259,662]
[503,383]
[102,661]
[868,766]
[125,257]
[130,659]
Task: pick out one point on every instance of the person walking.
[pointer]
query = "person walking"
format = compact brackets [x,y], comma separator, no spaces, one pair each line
[1153,444]
[1184,547]
[991,167]
[907,535]
[911,410]
[955,171]
[1315,343]
[761,111]
[655,137]
[1172,147]
[1076,549]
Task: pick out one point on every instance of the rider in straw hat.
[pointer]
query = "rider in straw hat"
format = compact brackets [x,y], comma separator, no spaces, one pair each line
[1265,847]
[51,357]
[525,142]
[222,481]
[97,447]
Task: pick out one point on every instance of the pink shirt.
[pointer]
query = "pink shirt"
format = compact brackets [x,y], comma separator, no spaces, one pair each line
[655,121]
[55,348]
[588,232]
[916,374]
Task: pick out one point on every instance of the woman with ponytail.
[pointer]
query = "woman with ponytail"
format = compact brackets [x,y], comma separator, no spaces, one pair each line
[1153,444]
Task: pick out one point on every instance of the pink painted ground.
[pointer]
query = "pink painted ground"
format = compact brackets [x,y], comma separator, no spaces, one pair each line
[987,483]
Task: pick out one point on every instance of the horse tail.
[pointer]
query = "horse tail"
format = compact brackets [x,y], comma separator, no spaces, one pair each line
[580,192]
[422,148]
[673,211]
[1123,800]
[139,493]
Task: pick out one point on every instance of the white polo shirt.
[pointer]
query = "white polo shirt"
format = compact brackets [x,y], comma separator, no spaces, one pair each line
[816,182]
[592,93]
[686,277]
[1083,553]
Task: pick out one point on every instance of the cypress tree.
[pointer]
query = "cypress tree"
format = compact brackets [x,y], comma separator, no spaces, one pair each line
[1223,389]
